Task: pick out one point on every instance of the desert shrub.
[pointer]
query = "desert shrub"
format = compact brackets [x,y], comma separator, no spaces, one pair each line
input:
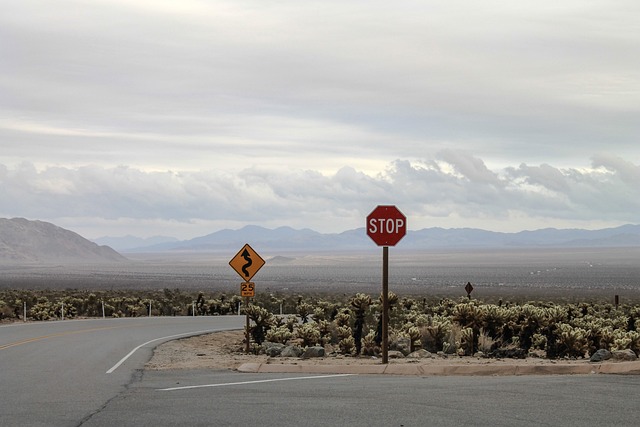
[42,310]
[452,341]
[345,340]
[369,346]
[359,303]
[435,333]
[634,337]
[326,310]
[466,344]
[304,310]
[262,322]
[415,336]
[623,340]
[494,318]
[347,345]
[308,333]
[420,319]
[326,331]
[291,322]
[532,320]
[604,337]
[560,328]
[343,318]
[469,316]
[485,342]
[539,342]
[281,335]
[5,311]
[571,341]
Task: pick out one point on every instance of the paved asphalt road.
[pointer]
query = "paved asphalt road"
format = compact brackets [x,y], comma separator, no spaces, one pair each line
[54,374]
[232,399]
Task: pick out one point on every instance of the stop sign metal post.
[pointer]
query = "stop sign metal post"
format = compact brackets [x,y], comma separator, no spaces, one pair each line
[386,226]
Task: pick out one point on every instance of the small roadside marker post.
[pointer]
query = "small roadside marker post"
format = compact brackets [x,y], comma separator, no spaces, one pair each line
[468,288]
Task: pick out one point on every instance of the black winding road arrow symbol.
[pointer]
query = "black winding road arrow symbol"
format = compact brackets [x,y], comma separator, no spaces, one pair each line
[247,257]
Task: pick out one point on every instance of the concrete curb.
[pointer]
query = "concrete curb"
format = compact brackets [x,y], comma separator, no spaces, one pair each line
[627,368]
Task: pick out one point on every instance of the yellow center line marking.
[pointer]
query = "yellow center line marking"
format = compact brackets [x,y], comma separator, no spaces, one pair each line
[59,334]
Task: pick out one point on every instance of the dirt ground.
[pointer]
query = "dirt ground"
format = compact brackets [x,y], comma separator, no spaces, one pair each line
[223,351]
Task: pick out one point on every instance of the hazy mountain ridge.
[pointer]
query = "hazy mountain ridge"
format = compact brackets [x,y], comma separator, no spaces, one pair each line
[24,241]
[285,239]
[131,242]
[279,239]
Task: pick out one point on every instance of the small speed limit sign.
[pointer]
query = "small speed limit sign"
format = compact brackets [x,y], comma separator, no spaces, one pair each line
[248,289]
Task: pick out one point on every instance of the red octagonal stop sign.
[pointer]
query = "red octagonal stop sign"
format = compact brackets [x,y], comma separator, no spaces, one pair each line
[386,225]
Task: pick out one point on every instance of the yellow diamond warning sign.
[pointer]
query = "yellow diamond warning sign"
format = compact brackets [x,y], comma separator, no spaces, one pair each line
[247,262]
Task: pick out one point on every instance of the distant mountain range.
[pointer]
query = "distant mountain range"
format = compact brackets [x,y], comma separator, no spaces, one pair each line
[286,239]
[24,241]
[128,242]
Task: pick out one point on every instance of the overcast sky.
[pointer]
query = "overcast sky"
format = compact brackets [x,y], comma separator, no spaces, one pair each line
[182,118]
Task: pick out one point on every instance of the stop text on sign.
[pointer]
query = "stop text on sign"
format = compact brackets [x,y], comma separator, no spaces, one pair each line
[386,225]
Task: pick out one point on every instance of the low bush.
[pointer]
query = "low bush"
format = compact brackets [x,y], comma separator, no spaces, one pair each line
[352,324]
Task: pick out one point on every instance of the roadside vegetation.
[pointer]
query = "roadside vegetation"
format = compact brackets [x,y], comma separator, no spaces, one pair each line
[350,324]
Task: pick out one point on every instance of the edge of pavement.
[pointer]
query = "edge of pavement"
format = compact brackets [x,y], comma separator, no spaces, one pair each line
[626,368]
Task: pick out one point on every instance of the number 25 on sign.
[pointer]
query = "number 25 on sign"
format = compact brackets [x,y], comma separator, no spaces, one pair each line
[248,289]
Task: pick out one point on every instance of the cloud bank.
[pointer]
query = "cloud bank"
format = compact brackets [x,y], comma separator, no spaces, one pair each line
[167,117]
[453,190]
[320,85]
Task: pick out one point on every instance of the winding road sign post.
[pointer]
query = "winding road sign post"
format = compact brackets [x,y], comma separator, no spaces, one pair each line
[386,226]
[246,263]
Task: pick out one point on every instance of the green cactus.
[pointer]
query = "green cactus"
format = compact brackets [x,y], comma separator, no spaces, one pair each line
[415,337]
[343,318]
[469,315]
[304,310]
[308,333]
[436,333]
[280,335]
[263,320]
[360,303]
[571,341]
[369,346]
[347,345]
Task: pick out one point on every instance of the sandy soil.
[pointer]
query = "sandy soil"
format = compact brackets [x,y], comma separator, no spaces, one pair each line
[223,351]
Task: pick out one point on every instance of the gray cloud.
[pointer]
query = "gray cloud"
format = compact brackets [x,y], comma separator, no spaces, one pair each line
[300,109]
[525,82]
[454,184]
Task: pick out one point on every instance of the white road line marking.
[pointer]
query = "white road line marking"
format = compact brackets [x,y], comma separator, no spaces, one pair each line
[254,382]
[117,365]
